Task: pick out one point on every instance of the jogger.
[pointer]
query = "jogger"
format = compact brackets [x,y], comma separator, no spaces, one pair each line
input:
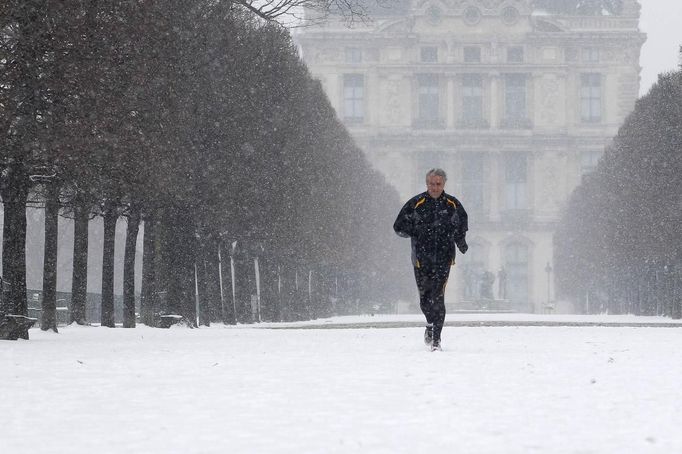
[436,224]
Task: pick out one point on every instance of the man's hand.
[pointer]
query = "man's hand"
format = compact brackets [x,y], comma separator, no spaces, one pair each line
[462,246]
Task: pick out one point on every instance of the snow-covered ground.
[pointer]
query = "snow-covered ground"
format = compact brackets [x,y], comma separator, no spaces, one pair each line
[247,390]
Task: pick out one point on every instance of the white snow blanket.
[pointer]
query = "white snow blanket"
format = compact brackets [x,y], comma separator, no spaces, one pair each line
[248,389]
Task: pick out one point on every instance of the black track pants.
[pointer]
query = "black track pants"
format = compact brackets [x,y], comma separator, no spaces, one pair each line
[431,282]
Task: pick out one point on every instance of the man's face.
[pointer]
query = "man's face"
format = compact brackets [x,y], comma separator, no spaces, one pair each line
[434,185]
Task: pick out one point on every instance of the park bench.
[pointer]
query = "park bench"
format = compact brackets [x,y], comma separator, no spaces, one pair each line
[168,320]
[13,327]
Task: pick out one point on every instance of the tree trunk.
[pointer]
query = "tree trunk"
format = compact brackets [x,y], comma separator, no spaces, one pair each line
[163,238]
[14,196]
[202,283]
[110,217]
[677,293]
[288,292]
[129,269]
[243,270]
[188,302]
[79,281]
[311,283]
[49,306]
[269,288]
[210,304]
[148,298]
[228,303]
[213,281]
[180,253]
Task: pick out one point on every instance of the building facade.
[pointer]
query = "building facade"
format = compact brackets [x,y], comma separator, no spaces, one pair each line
[515,103]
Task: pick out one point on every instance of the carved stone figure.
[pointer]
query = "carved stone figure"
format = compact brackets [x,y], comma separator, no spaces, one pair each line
[487,281]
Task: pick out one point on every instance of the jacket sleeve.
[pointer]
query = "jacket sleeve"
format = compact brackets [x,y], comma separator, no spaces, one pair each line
[460,222]
[404,223]
[463,223]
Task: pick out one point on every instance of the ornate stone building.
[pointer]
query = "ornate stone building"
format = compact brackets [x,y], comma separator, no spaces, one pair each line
[515,103]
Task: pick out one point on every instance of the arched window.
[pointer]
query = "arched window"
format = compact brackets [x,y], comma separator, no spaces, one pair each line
[516,269]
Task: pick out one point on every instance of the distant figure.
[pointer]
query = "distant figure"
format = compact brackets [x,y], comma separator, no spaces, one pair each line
[502,284]
[435,222]
[468,281]
[487,281]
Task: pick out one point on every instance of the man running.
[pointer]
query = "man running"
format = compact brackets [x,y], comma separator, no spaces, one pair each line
[436,223]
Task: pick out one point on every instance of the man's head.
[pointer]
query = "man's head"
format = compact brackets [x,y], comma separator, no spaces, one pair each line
[435,182]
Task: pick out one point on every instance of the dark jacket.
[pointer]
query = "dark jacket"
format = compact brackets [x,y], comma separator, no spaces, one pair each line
[435,226]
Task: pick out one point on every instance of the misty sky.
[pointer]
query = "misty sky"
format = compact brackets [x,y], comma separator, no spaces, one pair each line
[662,22]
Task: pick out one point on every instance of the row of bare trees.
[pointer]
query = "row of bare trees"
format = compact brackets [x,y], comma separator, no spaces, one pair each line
[194,118]
[618,246]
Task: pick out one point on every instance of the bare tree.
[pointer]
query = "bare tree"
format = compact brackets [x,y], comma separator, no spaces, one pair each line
[298,12]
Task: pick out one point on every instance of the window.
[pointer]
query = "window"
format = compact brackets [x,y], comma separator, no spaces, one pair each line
[472,98]
[516,269]
[515,178]
[590,55]
[515,54]
[353,98]
[590,98]
[473,179]
[429,54]
[353,55]
[472,54]
[589,160]
[515,97]
[429,105]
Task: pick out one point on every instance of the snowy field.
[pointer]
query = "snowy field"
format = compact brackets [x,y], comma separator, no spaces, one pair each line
[254,390]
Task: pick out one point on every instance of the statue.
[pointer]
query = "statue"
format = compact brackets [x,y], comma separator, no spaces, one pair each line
[469,283]
[487,280]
